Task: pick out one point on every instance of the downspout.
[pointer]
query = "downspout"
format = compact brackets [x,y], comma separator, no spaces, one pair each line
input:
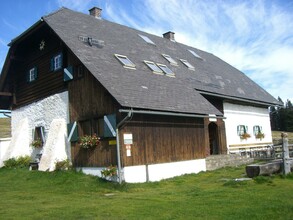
[128,116]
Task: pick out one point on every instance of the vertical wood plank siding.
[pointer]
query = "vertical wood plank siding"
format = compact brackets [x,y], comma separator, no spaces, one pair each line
[160,139]
[89,101]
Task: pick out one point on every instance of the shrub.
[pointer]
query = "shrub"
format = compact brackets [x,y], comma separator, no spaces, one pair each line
[109,171]
[62,165]
[19,162]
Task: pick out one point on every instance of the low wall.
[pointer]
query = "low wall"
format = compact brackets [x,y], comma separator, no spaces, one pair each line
[218,161]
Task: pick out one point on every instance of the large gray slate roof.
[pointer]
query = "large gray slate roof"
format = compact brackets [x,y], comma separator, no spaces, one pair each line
[140,88]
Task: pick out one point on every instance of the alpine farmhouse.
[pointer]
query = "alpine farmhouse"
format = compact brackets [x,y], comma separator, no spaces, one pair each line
[159,107]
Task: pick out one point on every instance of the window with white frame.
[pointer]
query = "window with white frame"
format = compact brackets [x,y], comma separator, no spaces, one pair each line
[166,70]
[170,59]
[56,62]
[257,129]
[242,129]
[187,64]
[153,67]
[32,74]
[127,63]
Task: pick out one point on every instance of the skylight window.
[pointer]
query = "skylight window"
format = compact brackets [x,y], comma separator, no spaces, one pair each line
[186,63]
[153,67]
[125,61]
[146,39]
[194,54]
[170,59]
[166,70]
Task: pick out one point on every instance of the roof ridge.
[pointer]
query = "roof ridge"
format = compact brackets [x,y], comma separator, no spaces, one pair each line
[55,12]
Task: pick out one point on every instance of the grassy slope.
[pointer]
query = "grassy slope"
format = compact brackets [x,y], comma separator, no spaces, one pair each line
[69,195]
[5,127]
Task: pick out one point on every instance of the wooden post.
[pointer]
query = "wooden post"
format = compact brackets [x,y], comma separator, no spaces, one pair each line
[286,158]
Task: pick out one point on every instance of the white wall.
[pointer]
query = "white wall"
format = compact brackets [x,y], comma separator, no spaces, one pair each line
[157,172]
[4,143]
[246,115]
[42,113]
[26,118]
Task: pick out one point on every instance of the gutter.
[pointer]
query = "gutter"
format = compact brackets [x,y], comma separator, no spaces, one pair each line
[128,117]
[170,114]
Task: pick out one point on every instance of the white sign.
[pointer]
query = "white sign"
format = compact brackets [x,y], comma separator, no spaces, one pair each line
[127,138]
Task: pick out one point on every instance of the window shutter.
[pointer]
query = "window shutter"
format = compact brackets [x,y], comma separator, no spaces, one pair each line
[52,64]
[36,72]
[110,125]
[72,132]
[61,60]
[238,130]
[68,73]
[28,76]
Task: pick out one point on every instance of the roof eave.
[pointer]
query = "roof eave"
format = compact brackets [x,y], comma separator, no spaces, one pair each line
[264,103]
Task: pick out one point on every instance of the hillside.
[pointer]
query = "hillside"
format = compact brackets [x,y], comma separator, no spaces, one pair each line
[5,130]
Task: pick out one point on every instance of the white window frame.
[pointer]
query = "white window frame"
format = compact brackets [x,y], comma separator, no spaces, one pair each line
[32,75]
[57,62]
[257,129]
[170,59]
[187,64]
[242,129]
[129,64]
[150,64]
[166,70]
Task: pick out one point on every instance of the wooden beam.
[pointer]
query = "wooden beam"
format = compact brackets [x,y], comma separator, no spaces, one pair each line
[5,94]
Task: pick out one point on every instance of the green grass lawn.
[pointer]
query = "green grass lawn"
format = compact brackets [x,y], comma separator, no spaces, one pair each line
[210,195]
[5,127]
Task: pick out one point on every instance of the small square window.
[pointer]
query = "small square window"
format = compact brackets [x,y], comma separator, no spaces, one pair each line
[153,67]
[170,59]
[125,61]
[186,63]
[32,74]
[257,129]
[56,62]
[242,129]
[166,70]
[146,39]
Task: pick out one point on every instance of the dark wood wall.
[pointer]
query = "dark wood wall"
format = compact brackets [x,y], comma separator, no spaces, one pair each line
[160,139]
[89,101]
[28,55]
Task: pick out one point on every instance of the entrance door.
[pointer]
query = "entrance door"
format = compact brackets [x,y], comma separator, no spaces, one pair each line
[213,137]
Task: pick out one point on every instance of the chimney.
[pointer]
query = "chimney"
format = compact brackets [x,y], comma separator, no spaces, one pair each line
[96,12]
[169,35]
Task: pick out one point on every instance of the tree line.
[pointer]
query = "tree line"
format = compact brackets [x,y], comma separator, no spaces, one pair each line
[282,117]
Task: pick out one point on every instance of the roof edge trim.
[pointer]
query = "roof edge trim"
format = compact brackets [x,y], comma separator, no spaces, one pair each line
[169,113]
[237,99]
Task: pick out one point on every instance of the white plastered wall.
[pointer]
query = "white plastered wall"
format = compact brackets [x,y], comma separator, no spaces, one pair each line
[40,113]
[249,116]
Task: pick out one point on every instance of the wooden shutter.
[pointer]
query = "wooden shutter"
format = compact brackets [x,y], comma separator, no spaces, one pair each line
[110,125]
[68,73]
[52,64]
[72,132]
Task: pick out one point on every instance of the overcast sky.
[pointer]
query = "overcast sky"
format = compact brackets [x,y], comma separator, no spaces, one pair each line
[254,36]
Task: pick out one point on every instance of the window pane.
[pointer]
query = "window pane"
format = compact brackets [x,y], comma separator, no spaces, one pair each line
[166,69]
[153,66]
[170,59]
[146,39]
